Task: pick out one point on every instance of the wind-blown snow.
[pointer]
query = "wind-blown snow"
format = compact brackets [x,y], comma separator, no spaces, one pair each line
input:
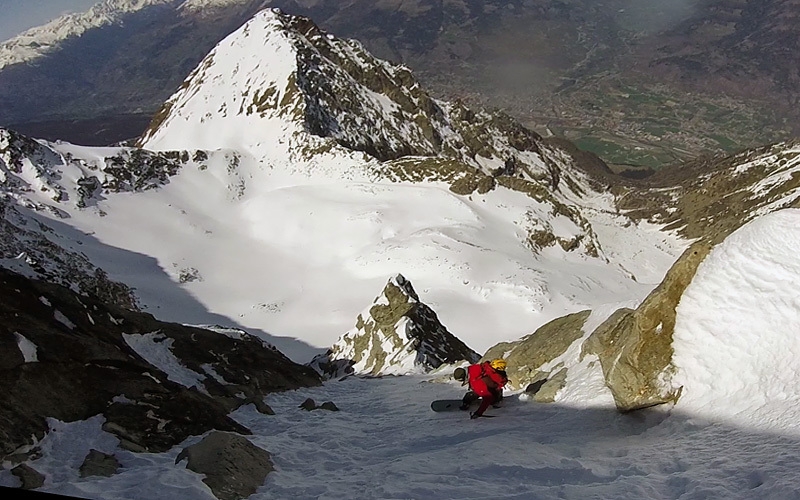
[737,348]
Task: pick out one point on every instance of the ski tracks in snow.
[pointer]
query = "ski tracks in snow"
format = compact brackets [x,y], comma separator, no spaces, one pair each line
[386,443]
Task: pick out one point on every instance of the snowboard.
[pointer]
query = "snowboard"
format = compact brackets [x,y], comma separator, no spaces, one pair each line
[447,405]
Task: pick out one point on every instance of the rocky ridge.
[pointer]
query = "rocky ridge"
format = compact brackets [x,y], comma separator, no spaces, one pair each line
[397,335]
[58,344]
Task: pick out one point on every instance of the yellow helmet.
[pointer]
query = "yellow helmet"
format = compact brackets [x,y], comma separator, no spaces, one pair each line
[499,364]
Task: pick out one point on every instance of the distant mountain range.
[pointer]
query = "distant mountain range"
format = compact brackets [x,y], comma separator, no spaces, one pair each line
[640,84]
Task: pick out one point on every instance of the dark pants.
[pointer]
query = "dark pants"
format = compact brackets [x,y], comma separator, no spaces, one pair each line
[470,397]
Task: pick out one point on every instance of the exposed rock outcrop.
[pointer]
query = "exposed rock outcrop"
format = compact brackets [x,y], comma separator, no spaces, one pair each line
[309,405]
[234,468]
[28,476]
[71,357]
[526,356]
[397,334]
[635,346]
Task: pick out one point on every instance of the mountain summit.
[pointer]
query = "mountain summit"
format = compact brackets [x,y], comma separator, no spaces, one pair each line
[280,83]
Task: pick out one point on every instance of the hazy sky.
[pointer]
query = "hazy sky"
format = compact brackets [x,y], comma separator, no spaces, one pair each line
[18,15]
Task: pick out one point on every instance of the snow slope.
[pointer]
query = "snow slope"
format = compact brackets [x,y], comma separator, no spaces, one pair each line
[737,348]
[303,261]
[386,443]
[723,440]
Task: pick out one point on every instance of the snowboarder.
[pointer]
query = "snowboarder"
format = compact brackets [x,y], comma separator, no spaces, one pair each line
[486,381]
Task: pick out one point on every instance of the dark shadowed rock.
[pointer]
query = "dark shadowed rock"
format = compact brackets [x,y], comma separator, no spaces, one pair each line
[71,357]
[234,467]
[30,477]
[534,387]
[309,404]
[328,405]
[98,463]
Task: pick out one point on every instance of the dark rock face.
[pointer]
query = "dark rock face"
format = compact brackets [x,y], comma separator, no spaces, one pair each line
[233,466]
[25,239]
[69,357]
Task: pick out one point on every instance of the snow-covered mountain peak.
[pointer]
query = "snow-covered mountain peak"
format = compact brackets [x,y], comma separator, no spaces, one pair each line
[242,94]
[281,84]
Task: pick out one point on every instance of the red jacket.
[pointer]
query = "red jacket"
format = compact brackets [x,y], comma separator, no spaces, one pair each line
[483,379]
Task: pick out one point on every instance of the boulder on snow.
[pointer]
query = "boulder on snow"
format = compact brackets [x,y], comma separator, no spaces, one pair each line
[328,405]
[397,334]
[526,356]
[98,463]
[30,477]
[234,467]
[309,404]
[635,346]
